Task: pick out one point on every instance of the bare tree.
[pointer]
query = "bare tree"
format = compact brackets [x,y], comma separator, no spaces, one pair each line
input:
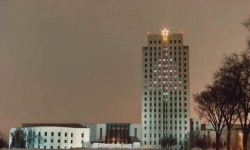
[246,23]
[168,142]
[18,138]
[210,106]
[3,142]
[199,139]
[32,139]
[226,89]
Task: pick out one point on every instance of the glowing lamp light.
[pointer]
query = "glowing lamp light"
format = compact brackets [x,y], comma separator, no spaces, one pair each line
[165,32]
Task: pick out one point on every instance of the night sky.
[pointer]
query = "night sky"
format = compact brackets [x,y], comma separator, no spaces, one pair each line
[80,61]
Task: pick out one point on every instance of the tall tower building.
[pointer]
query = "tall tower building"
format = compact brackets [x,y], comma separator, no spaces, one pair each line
[165,90]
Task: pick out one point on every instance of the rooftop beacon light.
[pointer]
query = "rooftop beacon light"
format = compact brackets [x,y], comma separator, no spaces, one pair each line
[165,34]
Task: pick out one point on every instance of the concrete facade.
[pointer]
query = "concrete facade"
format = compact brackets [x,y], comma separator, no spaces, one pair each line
[49,137]
[165,90]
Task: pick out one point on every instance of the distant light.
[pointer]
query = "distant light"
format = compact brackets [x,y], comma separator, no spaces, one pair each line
[165,32]
[182,32]
[148,32]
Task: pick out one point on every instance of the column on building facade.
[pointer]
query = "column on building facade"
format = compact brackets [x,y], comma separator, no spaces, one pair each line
[108,133]
[126,134]
[122,133]
[117,137]
[100,134]
[135,135]
[113,134]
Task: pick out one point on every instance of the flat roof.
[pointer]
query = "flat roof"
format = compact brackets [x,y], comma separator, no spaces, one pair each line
[70,125]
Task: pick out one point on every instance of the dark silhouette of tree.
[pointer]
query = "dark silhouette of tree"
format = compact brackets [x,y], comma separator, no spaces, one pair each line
[168,142]
[246,23]
[32,139]
[198,139]
[237,73]
[18,137]
[226,90]
[210,106]
[3,142]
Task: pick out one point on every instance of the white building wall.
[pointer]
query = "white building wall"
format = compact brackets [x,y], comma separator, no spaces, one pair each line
[165,90]
[50,139]
[132,131]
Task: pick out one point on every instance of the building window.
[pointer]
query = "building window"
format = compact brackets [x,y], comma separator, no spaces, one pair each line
[71,134]
[45,133]
[145,135]
[59,134]
[150,42]
[65,141]
[52,133]
[51,140]
[179,41]
[71,141]
[45,140]
[39,133]
[65,134]
[159,42]
[184,53]
[58,147]
[145,142]
[170,41]
[59,141]
[44,147]
[145,54]
[51,147]
[82,134]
